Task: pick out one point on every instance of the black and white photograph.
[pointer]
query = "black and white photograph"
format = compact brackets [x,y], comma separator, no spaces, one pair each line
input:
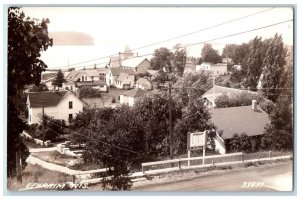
[149,98]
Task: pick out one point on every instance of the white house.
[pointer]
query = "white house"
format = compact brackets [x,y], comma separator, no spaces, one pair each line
[60,105]
[129,97]
[114,73]
[124,81]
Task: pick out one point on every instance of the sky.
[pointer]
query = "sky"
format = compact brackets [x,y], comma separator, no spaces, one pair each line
[111,28]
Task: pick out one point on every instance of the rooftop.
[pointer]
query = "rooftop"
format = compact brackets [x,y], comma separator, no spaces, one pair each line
[142,81]
[239,119]
[133,62]
[116,71]
[124,78]
[136,92]
[48,99]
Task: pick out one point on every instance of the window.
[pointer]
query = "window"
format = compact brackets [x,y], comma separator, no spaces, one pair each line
[29,118]
[86,78]
[70,104]
[70,117]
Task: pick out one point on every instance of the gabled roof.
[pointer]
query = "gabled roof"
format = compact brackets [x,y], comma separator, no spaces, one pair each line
[91,83]
[240,119]
[49,98]
[152,72]
[133,62]
[116,71]
[72,74]
[219,65]
[142,81]
[136,92]
[93,72]
[124,78]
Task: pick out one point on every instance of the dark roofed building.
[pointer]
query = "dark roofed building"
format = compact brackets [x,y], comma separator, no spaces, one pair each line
[238,120]
[62,105]
[48,99]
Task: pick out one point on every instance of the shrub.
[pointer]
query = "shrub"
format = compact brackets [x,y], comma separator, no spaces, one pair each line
[240,143]
[89,92]
[239,99]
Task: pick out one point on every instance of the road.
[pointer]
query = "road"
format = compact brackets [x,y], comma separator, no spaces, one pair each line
[263,178]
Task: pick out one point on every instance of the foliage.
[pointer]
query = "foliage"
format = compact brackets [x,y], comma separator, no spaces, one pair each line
[41,87]
[274,71]
[267,106]
[59,79]
[192,86]
[154,113]
[240,143]
[53,129]
[26,39]
[238,99]
[210,55]
[279,133]
[162,58]
[180,57]
[254,63]
[89,92]
[196,118]
[229,51]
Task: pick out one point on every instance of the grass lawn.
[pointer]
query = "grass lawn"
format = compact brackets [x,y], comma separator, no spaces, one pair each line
[53,157]
[37,174]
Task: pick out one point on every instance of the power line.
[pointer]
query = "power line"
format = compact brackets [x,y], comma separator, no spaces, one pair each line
[210,40]
[177,37]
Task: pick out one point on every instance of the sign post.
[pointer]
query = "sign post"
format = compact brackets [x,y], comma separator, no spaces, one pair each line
[195,141]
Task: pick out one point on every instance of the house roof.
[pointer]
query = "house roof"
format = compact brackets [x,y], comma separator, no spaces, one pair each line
[219,65]
[72,74]
[124,78]
[47,76]
[133,62]
[217,90]
[91,83]
[69,82]
[136,92]
[240,119]
[116,71]
[93,72]
[152,72]
[142,81]
[49,98]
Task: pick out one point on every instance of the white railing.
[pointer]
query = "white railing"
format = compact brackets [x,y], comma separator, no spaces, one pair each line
[179,161]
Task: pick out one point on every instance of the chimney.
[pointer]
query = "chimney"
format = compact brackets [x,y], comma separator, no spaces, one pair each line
[254,105]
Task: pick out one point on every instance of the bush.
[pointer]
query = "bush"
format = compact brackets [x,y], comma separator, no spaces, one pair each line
[88,92]
[240,143]
[267,106]
[242,99]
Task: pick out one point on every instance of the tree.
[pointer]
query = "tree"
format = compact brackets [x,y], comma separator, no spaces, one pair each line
[41,87]
[89,92]
[240,143]
[59,79]
[195,118]
[210,55]
[162,58]
[279,133]
[153,110]
[115,142]
[274,69]
[180,57]
[26,39]
[192,86]
[229,51]
[254,63]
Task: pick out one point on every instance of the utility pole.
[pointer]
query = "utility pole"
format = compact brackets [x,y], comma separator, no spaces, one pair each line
[43,123]
[170,122]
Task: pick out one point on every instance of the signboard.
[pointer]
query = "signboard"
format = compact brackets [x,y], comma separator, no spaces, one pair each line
[197,139]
